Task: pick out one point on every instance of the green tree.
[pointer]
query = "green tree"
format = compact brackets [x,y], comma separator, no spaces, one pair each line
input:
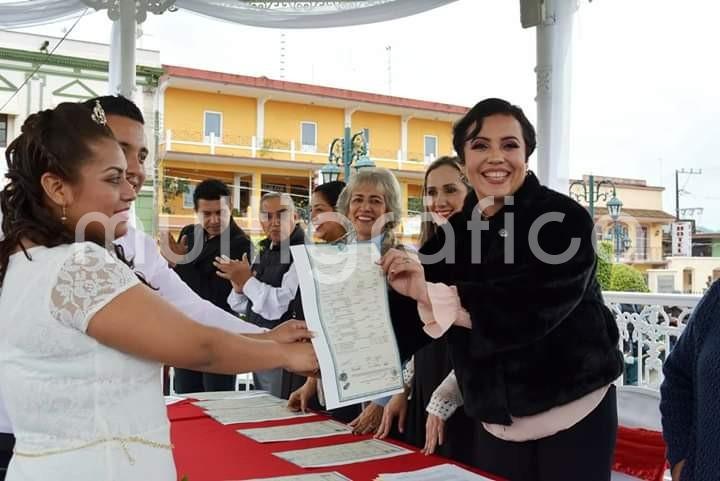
[604,265]
[617,277]
[627,279]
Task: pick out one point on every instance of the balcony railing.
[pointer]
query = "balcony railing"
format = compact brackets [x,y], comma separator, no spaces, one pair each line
[640,256]
[649,325]
[275,148]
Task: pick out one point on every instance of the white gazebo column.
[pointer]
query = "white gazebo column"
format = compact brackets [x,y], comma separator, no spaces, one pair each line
[122,52]
[554,41]
[404,136]
[255,196]
[260,120]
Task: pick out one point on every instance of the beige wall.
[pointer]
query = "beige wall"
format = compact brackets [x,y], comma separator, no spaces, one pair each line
[638,198]
[700,268]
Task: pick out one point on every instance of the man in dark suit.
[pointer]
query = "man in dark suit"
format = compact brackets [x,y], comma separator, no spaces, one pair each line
[216,234]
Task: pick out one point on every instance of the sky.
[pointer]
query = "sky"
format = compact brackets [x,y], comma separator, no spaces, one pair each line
[645,86]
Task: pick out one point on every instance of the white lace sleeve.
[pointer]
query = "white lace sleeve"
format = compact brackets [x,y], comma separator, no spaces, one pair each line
[408,372]
[88,280]
[446,398]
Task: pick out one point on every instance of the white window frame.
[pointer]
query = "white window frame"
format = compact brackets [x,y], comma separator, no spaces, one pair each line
[206,138]
[430,158]
[308,148]
[189,195]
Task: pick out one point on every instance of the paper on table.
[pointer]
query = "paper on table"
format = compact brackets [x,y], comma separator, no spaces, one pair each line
[444,472]
[173,400]
[211,395]
[254,414]
[293,432]
[308,477]
[344,295]
[347,453]
[238,403]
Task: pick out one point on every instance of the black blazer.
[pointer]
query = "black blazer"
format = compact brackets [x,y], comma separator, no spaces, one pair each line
[200,274]
[541,335]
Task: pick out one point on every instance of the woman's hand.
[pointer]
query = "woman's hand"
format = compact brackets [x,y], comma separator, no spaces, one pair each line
[300,398]
[434,434]
[368,420]
[405,274]
[677,470]
[236,271]
[290,331]
[300,358]
[397,407]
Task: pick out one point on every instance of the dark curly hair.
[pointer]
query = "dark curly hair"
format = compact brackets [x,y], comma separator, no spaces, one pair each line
[57,141]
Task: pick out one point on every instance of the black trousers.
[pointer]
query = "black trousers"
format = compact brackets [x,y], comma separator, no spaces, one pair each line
[7,443]
[582,453]
[187,381]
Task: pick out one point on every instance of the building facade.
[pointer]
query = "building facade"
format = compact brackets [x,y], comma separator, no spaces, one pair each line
[31,80]
[258,135]
[641,223]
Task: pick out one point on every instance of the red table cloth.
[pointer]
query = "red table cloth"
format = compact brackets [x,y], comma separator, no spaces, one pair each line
[640,453]
[206,450]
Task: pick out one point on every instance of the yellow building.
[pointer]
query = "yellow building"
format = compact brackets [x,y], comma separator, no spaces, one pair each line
[259,134]
[642,220]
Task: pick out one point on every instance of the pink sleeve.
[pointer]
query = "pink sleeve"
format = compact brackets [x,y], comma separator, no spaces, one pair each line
[443,311]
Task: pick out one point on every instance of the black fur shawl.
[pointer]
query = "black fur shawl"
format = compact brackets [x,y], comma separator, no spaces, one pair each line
[541,335]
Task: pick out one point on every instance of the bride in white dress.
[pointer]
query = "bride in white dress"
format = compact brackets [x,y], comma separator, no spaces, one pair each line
[82,337]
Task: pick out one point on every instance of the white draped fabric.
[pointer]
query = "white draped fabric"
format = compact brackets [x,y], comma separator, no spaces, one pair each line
[299,14]
[17,14]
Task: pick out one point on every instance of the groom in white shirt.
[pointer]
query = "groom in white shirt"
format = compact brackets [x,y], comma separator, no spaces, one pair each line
[127,123]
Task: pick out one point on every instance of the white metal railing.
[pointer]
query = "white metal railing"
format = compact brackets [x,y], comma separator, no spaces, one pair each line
[257,148]
[649,325]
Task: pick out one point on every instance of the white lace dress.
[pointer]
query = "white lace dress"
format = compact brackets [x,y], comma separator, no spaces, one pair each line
[81,411]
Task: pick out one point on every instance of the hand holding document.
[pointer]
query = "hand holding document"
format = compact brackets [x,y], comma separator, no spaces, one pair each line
[293,432]
[444,472]
[344,295]
[342,454]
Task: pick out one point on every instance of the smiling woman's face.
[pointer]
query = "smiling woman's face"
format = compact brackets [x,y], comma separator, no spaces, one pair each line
[444,192]
[102,193]
[367,205]
[495,157]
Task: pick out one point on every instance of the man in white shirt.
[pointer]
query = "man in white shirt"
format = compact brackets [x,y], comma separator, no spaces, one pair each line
[127,123]
[267,292]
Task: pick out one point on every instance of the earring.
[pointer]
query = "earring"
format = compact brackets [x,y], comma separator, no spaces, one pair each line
[63,217]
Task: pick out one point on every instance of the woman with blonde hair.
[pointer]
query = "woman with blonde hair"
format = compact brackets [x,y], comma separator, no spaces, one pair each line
[371,202]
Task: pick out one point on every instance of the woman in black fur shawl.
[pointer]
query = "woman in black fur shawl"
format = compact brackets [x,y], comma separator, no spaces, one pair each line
[510,281]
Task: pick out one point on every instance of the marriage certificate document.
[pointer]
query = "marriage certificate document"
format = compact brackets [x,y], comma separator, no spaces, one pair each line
[344,296]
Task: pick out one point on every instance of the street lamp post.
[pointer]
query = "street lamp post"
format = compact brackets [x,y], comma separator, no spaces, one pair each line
[614,206]
[591,192]
[346,151]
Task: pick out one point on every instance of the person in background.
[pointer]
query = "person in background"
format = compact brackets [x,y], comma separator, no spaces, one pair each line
[323,208]
[690,393]
[427,411]
[534,348]
[265,292]
[204,241]
[127,124]
[104,330]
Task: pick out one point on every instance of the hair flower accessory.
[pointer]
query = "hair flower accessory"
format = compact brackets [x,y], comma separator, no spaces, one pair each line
[98,114]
